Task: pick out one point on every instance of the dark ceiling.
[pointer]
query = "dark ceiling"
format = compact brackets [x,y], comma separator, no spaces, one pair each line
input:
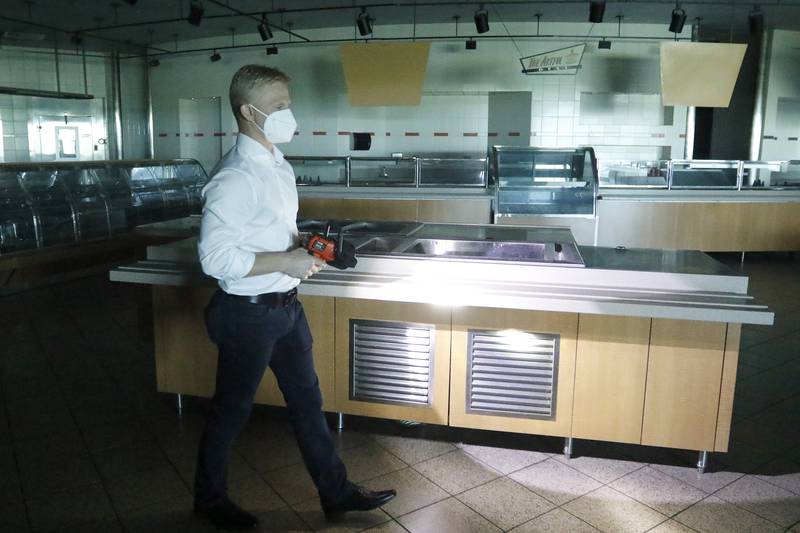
[125,24]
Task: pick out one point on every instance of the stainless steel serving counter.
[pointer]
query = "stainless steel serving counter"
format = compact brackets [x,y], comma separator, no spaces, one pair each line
[626,282]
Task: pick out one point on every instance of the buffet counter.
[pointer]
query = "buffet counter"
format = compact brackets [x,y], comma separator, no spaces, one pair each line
[634,346]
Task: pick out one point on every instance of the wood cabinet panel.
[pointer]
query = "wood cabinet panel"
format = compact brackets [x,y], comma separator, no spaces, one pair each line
[358,209]
[186,360]
[610,377]
[350,308]
[683,384]
[564,324]
[456,211]
[729,366]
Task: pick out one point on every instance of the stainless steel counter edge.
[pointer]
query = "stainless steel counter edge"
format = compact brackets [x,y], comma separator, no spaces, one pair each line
[453,291]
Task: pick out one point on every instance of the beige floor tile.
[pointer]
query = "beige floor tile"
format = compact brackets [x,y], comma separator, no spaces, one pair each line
[369,461]
[671,526]
[505,503]
[556,521]
[50,476]
[783,473]
[412,450]
[70,508]
[129,459]
[253,493]
[663,493]
[448,516]
[146,488]
[174,514]
[555,481]
[283,520]
[456,471]
[350,439]
[602,469]
[413,491]
[266,454]
[388,527]
[709,482]
[292,483]
[504,460]
[311,513]
[610,510]
[764,499]
[714,515]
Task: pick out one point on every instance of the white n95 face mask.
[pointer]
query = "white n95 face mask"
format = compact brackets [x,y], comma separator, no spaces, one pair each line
[279,127]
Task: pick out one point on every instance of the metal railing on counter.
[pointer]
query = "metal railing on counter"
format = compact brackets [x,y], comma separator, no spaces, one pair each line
[407,171]
[699,174]
[59,203]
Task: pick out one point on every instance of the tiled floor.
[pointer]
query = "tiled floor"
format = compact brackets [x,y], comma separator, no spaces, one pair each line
[87,445]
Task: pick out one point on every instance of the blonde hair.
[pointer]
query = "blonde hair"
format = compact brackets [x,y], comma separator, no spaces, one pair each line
[249,78]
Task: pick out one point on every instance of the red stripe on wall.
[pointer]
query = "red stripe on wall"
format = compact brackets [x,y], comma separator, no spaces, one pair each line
[440,134]
[682,135]
[199,134]
[492,134]
[470,134]
[514,134]
[219,134]
[162,134]
[344,133]
[320,133]
[412,134]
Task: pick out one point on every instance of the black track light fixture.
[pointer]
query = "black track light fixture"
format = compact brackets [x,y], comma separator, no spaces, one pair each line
[364,22]
[131,2]
[471,44]
[272,50]
[263,28]
[678,20]
[596,10]
[604,44]
[196,10]
[481,21]
[755,21]
[154,62]
[215,57]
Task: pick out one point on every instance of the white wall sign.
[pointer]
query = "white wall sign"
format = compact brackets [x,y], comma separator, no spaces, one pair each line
[562,61]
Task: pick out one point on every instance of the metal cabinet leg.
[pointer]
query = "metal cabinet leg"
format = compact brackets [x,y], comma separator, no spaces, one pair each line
[568,447]
[340,422]
[179,403]
[702,462]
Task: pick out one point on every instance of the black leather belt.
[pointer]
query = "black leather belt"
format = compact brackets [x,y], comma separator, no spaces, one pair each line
[270,299]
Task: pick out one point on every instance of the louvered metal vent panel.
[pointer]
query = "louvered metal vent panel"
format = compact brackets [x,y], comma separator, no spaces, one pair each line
[391,362]
[512,373]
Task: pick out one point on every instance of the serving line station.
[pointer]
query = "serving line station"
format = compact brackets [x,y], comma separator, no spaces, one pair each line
[504,328]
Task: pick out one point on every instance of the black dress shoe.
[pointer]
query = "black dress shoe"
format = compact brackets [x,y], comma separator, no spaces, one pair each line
[359,499]
[228,516]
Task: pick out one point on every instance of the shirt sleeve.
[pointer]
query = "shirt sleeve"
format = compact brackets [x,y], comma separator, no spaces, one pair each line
[228,206]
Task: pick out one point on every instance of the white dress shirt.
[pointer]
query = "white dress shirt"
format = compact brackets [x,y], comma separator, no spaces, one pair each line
[249,206]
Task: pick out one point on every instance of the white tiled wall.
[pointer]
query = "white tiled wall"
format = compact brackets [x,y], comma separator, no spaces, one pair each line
[783,76]
[30,69]
[455,98]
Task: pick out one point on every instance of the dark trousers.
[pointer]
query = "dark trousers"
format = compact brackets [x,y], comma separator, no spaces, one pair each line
[250,337]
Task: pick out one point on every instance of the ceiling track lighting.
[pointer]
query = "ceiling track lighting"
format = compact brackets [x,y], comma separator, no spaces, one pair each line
[604,44]
[596,10]
[481,21]
[364,22]
[755,21]
[154,62]
[678,20]
[263,28]
[131,2]
[196,10]
[272,50]
[215,57]
[471,44]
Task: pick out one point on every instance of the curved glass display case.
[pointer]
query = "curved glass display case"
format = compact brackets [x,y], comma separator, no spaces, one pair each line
[48,204]
[544,181]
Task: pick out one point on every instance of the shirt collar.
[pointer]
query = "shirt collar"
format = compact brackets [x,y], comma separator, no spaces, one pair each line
[252,148]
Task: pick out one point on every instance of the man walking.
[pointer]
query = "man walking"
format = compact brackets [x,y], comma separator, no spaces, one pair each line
[249,242]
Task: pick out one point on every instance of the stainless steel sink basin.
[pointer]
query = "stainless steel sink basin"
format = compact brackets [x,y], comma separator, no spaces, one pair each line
[356,227]
[527,252]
